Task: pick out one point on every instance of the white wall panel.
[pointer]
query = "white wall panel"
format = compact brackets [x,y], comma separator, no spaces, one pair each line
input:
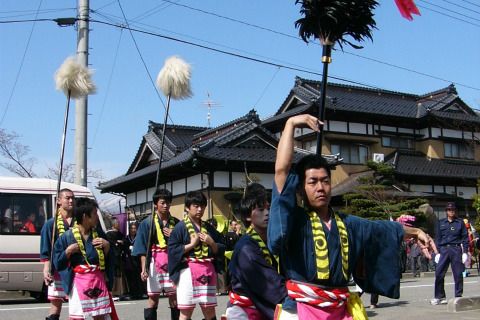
[452,133]
[356,127]
[195,182]
[221,179]
[466,192]
[338,126]
[142,196]
[178,187]
[436,132]
[131,199]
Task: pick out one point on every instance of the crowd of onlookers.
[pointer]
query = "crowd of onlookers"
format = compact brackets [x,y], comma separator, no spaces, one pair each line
[128,284]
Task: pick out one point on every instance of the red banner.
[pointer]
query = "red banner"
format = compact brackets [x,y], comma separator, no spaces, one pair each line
[407,8]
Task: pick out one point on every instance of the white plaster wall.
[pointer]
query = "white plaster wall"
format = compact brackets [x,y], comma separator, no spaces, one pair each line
[405,130]
[388,128]
[238,179]
[131,199]
[195,182]
[356,127]
[450,189]
[452,133]
[338,126]
[178,187]
[221,179]
[436,132]
[265,179]
[142,196]
[466,192]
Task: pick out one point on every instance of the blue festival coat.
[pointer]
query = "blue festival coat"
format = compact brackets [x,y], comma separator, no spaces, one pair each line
[65,265]
[374,246]
[46,238]
[252,276]
[141,240]
[176,247]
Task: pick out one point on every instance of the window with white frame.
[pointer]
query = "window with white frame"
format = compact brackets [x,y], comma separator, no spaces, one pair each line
[397,142]
[351,153]
[458,150]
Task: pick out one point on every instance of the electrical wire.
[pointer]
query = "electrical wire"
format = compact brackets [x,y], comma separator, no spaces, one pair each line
[266,87]
[460,6]
[107,88]
[449,10]
[19,71]
[145,65]
[447,15]
[316,43]
[262,61]
[471,3]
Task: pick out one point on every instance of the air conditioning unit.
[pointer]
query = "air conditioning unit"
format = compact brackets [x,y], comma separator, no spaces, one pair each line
[378,157]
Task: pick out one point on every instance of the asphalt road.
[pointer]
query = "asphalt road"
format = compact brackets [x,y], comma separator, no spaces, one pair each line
[414,303]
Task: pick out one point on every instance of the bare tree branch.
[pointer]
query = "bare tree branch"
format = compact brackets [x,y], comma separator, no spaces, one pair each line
[14,151]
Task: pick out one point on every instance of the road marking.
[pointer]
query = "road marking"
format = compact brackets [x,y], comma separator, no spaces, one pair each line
[431,285]
[38,308]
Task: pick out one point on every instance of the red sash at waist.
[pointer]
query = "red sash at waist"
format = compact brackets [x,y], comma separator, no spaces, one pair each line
[83,268]
[239,300]
[317,296]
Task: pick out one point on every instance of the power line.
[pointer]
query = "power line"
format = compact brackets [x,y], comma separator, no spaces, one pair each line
[447,15]
[151,11]
[266,87]
[127,26]
[471,3]
[315,43]
[262,61]
[108,88]
[20,67]
[449,10]
[234,20]
[254,59]
[144,63]
[460,6]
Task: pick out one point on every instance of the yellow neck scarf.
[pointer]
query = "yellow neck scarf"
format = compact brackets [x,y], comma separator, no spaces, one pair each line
[78,238]
[162,243]
[255,236]
[60,225]
[201,251]
[321,248]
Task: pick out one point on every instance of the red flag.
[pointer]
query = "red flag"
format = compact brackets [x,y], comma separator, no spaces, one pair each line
[407,8]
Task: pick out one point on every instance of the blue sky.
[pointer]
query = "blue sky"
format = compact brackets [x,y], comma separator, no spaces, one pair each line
[432,44]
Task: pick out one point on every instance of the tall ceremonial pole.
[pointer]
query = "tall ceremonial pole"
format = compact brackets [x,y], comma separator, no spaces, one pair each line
[174,81]
[75,81]
[330,22]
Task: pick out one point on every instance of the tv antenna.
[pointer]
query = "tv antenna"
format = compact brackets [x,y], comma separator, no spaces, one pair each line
[209,103]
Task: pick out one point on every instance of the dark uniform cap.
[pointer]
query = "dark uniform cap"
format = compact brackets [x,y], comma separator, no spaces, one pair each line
[450,205]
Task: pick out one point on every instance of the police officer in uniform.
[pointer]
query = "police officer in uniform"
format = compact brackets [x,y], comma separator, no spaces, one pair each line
[452,241]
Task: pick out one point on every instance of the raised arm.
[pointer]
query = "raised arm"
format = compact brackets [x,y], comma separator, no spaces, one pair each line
[284,158]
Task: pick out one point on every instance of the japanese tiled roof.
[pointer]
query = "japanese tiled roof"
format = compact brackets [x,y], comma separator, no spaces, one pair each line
[177,139]
[417,164]
[238,141]
[371,101]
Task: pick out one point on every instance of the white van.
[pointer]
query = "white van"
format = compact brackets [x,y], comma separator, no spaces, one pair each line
[25,205]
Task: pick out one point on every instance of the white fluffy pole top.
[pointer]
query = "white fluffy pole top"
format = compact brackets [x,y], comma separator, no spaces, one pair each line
[74,78]
[174,78]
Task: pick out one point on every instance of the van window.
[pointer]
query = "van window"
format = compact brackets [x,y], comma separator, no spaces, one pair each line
[23,214]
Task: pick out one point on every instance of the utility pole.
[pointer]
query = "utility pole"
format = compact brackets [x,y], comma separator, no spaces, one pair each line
[81,107]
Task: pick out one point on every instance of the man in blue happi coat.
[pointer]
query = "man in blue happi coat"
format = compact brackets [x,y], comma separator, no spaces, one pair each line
[320,250]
